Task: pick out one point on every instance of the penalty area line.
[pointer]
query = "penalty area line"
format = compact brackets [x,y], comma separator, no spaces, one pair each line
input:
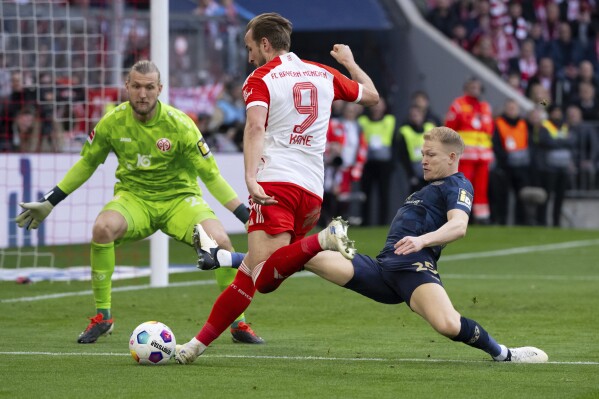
[298,358]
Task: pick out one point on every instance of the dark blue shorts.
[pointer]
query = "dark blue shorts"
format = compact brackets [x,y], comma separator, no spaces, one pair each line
[391,285]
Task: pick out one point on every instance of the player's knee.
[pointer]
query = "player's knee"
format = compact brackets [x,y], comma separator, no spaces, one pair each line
[266,285]
[103,232]
[448,326]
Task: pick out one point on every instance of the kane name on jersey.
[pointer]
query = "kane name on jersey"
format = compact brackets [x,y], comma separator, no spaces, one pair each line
[298,95]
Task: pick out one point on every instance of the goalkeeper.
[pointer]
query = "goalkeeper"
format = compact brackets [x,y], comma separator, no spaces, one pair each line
[160,154]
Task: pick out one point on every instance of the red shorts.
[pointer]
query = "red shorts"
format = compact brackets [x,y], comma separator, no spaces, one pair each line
[296,212]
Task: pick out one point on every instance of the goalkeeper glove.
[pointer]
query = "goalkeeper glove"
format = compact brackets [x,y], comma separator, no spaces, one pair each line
[35,212]
[242,213]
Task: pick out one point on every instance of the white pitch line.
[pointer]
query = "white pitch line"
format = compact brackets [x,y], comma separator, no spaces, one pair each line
[466,256]
[522,250]
[117,289]
[299,358]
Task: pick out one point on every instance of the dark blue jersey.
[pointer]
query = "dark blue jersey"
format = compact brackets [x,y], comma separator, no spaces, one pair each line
[423,212]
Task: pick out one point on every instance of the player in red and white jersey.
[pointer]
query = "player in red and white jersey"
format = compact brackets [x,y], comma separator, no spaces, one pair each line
[296,97]
[288,107]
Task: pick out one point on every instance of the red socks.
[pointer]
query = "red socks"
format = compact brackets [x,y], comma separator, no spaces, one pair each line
[236,298]
[284,262]
[232,302]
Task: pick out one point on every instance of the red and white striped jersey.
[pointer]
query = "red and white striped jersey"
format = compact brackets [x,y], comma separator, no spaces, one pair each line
[298,95]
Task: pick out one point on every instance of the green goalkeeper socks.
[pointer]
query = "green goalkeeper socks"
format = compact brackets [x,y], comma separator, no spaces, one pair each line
[224,278]
[102,262]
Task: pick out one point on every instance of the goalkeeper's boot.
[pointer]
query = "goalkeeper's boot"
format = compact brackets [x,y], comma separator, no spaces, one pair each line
[206,248]
[244,334]
[189,352]
[96,328]
[334,238]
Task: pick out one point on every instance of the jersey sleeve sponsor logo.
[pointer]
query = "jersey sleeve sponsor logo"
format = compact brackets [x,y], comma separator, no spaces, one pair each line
[203,147]
[90,138]
[163,144]
[247,93]
[465,198]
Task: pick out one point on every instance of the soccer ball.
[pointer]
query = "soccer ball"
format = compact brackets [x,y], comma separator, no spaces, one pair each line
[152,342]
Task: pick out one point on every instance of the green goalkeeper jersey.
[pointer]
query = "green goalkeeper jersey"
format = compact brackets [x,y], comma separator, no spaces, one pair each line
[159,160]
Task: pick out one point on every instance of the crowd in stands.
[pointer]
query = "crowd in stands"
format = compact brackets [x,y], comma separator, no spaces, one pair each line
[58,75]
[546,49]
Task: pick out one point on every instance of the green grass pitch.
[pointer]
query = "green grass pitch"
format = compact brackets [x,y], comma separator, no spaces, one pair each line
[526,286]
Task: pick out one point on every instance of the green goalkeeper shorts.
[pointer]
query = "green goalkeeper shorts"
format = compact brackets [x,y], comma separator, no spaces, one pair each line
[175,217]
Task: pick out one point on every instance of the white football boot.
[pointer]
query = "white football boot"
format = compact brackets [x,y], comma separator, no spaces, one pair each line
[189,352]
[527,354]
[334,238]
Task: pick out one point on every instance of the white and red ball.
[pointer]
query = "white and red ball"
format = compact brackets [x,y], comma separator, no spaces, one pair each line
[152,342]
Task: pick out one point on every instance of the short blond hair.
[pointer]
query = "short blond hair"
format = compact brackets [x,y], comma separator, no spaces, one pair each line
[446,136]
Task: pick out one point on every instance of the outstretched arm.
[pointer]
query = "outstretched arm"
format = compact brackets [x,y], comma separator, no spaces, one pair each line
[455,228]
[34,213]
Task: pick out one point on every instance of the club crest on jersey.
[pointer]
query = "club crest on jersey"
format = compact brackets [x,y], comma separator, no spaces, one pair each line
[203,147]
[163,144]
[91,136]
[465,198]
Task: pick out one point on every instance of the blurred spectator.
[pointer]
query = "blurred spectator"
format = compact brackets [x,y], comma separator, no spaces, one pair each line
[582,25]
[459,36]
[353,154]
[526,62]
[420,99]
[442,17]
[229,114]
[480,20]
[181,64]
[235,17]
[483,51]
[379,128]
[345,158]
[332,173]
[50,137]
[209,8]
[471,117]
[512,168]
[538,94]
[5,89]
[516,24]
[409,146]
[137,43]
[592,50]
[505,46]
[463,10]
[541,43]
[555,146]
[513,79]
[587,101]
[482,29]
[586,73]
[21,97]
[565,50]
[586,148]
[25,130]
[546,77]
[550,19]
